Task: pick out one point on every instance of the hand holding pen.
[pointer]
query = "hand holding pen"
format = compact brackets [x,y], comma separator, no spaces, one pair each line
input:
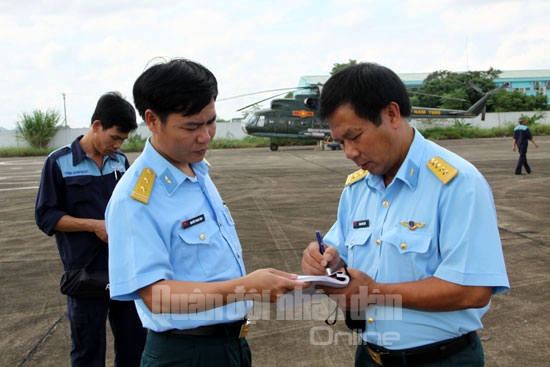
[322,250]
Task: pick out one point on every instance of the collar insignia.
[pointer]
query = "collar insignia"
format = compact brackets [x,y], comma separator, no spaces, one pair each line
[412,225]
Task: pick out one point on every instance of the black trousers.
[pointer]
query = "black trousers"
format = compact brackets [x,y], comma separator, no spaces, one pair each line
[171,350]
[88,319]
[522,161]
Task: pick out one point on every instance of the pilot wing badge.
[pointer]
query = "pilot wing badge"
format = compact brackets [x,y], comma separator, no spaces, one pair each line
[412,225]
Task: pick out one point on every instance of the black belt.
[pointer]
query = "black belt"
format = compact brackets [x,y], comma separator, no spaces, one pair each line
[423,354]
[237,329]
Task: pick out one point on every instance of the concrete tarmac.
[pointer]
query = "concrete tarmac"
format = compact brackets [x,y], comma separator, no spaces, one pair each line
[278,200]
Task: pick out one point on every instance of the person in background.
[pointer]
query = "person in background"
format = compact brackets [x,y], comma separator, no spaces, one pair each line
[175,249]
[521,139]
[416,229]
[76,184]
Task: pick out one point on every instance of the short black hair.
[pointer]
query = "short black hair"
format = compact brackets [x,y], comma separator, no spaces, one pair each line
[113,110]
[178,86]
[368,88]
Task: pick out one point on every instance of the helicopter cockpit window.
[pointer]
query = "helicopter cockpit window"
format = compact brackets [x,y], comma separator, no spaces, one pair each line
[261,121]
[250,120]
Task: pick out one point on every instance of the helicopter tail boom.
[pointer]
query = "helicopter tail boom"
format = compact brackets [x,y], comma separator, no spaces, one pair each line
[479,106]
[473,111]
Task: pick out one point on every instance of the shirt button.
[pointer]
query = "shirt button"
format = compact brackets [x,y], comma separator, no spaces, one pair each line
[202,237]
[220,223]
[386,203]
[370,320]
[238,256]
[378,242]
[403,246]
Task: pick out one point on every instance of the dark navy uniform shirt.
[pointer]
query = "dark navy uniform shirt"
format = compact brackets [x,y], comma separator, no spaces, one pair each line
[72,184]
[522,135]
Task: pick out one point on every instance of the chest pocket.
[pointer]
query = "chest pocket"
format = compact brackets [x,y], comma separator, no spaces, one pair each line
[201,252]
[78,189]
[407,241]
[356,242]
[409,252]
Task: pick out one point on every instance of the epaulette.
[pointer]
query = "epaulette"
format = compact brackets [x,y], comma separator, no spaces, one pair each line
[143,187]
[356,176]
[207,163]
[443,170]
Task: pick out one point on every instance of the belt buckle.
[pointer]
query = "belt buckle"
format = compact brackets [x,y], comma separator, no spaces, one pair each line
[244,329]
[376,356]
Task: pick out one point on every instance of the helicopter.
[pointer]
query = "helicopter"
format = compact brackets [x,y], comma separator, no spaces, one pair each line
[296,118]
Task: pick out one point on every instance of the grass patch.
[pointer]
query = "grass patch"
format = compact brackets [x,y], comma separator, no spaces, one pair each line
[25,152]
[459,131]
[468,132]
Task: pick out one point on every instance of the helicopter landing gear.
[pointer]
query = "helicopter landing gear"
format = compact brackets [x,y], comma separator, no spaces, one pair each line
[273,146]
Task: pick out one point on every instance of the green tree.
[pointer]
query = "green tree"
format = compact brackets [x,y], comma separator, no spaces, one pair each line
[337,66]
[518,101]
[39,127]
[453,86]
[451,90]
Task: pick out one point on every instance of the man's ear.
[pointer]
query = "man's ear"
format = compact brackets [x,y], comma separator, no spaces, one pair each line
[152,120]
[394,114]
[97,126]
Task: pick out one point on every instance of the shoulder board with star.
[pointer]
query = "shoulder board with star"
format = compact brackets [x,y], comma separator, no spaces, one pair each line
[356,176]
[144,185]
[443,170]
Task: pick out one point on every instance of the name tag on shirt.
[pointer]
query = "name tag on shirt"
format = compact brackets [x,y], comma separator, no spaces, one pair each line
[191,222]
[361,223]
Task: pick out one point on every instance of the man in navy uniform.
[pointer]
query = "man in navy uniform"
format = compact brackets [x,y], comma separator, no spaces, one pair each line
[76,184]
[522,136]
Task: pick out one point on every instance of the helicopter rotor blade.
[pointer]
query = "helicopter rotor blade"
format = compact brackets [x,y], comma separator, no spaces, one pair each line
[471,84]
[263,91]
[252,104]
[435,95]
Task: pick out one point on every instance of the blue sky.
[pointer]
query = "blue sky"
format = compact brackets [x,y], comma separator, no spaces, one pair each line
[87,47]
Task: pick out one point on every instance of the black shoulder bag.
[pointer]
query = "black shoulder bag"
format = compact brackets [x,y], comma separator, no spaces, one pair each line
[85,284]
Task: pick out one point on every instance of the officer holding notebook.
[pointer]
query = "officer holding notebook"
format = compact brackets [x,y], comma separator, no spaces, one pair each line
[416,226]
[173,247]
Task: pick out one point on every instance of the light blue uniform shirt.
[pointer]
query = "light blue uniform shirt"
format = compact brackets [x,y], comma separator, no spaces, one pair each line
[185,232]
[416,228]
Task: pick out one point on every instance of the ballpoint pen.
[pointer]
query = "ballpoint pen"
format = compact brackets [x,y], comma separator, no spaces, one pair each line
[322,250]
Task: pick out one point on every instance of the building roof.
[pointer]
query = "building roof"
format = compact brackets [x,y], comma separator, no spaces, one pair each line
[409,78]
[312,79]
[531,74]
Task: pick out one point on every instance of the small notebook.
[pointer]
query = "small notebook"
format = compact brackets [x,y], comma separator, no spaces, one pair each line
[299,296]
[337,280]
